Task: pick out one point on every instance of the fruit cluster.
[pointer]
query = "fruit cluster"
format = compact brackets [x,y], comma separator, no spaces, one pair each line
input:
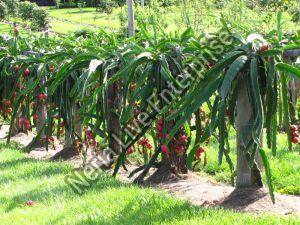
[26,72]
[36,117]
[136,111]
[160,129]
[24,122]
[51,139]
[42,96]
[29,203]
[130,151]
[6,107]
[52,69]
[178,143]
[295,134]
[145,143]
[264,47]
[199,152]
[90,140]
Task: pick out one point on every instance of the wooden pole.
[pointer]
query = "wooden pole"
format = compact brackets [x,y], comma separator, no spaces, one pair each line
[130,14]
[46,31]
[245,175]
[41,106]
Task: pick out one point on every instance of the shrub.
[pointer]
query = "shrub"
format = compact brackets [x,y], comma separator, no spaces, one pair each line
[166,3]
[81,4]
[26,10]
[122,2]
[66,5]
[105,6]
[251,4]
[12,6]
[85,33]
[91,3]
[40,18]
[57,3]
[220,3]
[295,15]
[3,10]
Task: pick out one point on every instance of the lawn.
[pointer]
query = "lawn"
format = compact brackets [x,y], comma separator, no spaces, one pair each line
[4,28]
[202,17]
[285,166]
[65,27]
[7,29]
[175,18]
[107,202]
[87,16]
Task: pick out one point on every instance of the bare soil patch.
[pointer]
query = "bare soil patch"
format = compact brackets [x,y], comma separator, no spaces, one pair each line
[199,191]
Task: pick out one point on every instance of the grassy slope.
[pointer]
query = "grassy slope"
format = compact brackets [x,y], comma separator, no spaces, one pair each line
[4,28]
[172,17]
[7,29]
[65,27]
[285,166]
[107,202]
[79,19]
[87,16]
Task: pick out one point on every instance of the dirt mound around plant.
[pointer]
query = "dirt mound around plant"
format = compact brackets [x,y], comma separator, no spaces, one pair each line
[202,191]
[198,190]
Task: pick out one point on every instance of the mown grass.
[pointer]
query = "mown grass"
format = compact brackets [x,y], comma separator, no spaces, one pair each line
[87,16]
[6,28]
[203,17]
[65,27]
[107,202]
[285,165]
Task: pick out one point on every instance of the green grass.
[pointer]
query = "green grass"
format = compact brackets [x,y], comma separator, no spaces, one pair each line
[199,15]
[285,166]
[87,16]
[4,28]
[107,202]
[64,27]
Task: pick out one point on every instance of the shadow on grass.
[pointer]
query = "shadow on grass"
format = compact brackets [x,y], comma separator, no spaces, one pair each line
[150,213]
[36,171]
[12,145]
[59,190]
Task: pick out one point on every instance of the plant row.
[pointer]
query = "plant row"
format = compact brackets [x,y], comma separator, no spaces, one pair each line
[158,97]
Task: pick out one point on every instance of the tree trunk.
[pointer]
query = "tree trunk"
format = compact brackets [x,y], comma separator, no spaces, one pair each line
[245,174]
